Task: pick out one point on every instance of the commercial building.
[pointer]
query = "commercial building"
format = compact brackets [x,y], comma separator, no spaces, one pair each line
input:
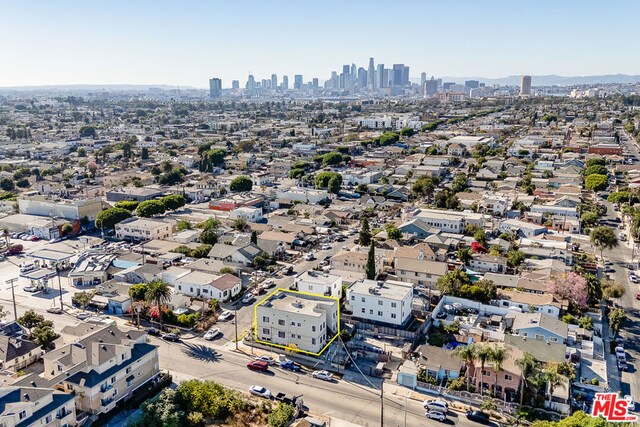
[215,88]
[315,282]
[525,86]
[386,302]
[71,209]
[139,194]
[297,321]
[138,229]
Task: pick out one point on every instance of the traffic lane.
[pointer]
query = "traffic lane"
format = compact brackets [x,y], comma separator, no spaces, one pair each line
[351,402]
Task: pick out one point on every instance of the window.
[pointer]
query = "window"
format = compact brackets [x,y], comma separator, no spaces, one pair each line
[380,302]
[128,370]
[113,379]
[486,373]
[553,339]
[393,315]
[281,334]
[353,297]
[293,323]
[508,377]
[22,414]
[363,310]
[48,419]
[281,322]
[313,341]
[393,305]
[313,328]
[539,337]
[362,299]
[370,311]
[265,319]
[379,313]
[266,331]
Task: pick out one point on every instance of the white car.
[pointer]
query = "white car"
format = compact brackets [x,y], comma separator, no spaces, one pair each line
[30,289]
[82,316]
[268,359]
[322,375]
[225,315]
[633,278]
[247,298]
[438,405]
[326,247]
[212,334]
[631,404]
[260,391]
[309,257]
[435,415]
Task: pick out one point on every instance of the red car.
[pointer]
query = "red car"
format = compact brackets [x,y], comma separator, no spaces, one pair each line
[637,296]
[258,365]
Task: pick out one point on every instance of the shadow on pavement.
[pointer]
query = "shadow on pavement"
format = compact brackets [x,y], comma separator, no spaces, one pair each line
[201,352]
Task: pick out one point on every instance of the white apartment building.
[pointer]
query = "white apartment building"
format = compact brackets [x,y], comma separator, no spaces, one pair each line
[249,214]
[138,229]
[305,195]
[101,365]
[315,282]
[375,122]
[385,302]
[31,406]
[443,220]
[296,320]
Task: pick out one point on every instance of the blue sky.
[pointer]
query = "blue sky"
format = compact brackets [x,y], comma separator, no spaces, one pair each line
[187,42]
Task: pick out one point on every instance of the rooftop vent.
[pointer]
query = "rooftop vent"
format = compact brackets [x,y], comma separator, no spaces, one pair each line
[297,304]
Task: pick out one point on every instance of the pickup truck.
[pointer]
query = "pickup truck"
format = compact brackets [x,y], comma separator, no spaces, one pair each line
[289,365]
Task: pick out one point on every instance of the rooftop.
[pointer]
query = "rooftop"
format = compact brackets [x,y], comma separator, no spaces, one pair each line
[390,289]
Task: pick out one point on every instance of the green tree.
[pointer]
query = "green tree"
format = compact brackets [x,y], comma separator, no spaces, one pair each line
[424,186]
[459,183]
[586,322]
[515,258]
[87,131]
[612,290]
[465,255]
[7,184]
[66,229]
[498,356]
[183,225]
[446,199]
[596,161]
[452,282]
[528,372]
[616,317]
[44,335]
[468,353]
[596,182]
[589,219]
[407,132]
[83,298]
[364,238]
[129,205]
[370,267]
[553,377]
[82,152]
[144,154]
[162,411]
[158,293]
[241,183]
[30,319]
[603,238]
[254,237]
[323,178]
[335,184]
[240,224]
[331,159]
[393,232]
[209,236]
[480,236]
[150,208]
[108,218]
[484,355]
[173,202]
[227,270]
[281,415]
[138,291]
[595,169]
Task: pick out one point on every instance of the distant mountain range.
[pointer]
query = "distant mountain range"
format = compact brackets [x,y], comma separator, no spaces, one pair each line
[552,79]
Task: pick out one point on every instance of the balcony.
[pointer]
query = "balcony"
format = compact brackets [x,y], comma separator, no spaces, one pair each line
[105,388]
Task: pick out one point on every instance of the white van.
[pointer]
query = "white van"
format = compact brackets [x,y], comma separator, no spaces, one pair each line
[436,405]
[27,267]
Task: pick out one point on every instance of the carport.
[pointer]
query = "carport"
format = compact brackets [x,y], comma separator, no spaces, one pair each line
[48,257]
[40,278]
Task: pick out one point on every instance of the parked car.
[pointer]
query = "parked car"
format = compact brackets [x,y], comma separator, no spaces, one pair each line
[153,331]
[622,365]
[326,247]
[309,257]
[171,337]
[436,405]
[631,404]
[247,298]
[267,359]
[31,288]
[27,267]
[258,365]
[478,416]
[288,270]
[435,415]
[212,334]
[84,315]
[322,375]
[633,278]
[260,391]
[54,310]
[290,366]
[225,315]
[269,283]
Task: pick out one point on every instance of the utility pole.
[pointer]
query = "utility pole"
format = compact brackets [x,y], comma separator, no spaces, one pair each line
[382,403]
[13,297]
[235,323]
[59,286]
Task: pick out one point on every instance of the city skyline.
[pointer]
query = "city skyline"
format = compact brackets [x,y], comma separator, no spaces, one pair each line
[166,43]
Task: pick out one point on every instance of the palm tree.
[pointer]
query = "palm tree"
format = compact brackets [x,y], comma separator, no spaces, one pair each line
[158,293]
[498,356]
[553,377]
[484,355]
[468,353]
[528,366]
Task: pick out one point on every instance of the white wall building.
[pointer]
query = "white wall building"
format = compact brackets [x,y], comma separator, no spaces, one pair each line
[199,284]
[297,320]
[61,208]
[305,195]
[249,214]
[315,282]
[375,122]
[143,229]
[388,302]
